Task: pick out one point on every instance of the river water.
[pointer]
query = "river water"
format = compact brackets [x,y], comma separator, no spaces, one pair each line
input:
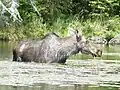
[81,72]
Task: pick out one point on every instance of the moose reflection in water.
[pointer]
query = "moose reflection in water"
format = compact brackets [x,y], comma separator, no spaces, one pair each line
[53,49]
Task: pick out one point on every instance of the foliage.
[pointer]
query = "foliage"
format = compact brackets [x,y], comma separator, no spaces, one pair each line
[92,17]
[105,8]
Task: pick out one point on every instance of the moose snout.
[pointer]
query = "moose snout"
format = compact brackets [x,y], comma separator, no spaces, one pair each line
[98,53]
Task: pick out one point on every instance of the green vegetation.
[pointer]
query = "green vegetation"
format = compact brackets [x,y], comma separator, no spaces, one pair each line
[93,17]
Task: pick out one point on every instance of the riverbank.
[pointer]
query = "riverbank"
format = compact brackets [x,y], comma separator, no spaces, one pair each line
[36,29]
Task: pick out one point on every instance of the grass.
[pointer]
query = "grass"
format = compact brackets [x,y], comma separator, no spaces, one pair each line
[107,28]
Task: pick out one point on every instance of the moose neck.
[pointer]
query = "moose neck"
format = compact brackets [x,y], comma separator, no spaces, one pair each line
[68,47]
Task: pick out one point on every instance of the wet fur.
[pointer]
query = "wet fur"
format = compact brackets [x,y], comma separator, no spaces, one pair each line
[51,49]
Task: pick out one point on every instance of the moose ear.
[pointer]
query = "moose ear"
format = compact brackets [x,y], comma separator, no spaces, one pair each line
[78,35]
[72,31]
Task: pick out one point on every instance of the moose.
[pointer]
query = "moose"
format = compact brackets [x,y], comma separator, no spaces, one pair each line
[53,48]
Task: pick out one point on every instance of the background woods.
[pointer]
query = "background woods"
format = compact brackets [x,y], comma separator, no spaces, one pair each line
[33,18]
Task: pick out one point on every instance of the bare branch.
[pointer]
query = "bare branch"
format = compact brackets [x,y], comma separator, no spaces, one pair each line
[34,7]
[12,10]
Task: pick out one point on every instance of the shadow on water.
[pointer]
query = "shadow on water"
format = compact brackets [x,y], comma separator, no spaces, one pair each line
[16,75]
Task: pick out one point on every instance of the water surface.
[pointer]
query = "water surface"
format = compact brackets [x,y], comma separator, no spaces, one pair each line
[81,72]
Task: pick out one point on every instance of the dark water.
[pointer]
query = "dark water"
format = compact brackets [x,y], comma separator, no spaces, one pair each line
[110,54]
[57,87]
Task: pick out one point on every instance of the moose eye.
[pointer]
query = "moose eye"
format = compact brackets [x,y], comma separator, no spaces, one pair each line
[87,42]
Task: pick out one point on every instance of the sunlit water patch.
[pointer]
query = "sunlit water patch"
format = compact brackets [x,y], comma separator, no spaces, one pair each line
[74,72]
